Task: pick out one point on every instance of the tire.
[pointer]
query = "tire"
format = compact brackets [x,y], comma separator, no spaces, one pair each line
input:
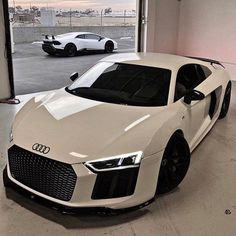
[174,165]
[6,180]
[70,50]
[226,102]
[109,47]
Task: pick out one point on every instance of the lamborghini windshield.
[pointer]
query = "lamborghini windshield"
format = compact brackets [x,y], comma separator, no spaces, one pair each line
[124,84]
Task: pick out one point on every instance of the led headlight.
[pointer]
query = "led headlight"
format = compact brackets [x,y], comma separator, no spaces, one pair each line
[124,161]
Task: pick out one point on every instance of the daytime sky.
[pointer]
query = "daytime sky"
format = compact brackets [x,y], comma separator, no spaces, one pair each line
[77,4]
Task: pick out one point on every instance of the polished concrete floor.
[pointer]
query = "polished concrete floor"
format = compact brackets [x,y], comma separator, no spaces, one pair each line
[196,208]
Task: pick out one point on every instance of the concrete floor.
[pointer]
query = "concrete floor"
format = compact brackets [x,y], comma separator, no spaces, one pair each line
[196,208]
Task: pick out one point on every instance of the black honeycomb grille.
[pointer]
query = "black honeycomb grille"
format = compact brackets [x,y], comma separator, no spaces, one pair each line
[50,177]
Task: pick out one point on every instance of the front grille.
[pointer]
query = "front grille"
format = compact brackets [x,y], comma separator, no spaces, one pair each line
[115,183]
[47,176]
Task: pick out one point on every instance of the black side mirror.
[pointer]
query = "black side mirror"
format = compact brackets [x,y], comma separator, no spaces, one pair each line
[100,38]
[193,95]
[74,76]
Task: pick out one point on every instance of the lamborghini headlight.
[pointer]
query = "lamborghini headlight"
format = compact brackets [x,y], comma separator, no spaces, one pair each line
[124,161]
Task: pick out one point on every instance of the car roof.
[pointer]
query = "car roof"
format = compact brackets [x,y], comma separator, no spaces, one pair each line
[85,33]
[79,33]
[161,60]
[74,34]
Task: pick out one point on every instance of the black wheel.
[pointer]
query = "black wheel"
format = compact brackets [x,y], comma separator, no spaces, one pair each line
[6,181]
[109,47]
[226,101]
[70,50]
[174,165]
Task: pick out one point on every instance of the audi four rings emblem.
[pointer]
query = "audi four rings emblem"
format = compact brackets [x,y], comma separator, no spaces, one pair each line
[41,148]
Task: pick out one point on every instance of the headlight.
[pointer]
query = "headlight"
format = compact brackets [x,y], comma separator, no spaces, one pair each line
[124,161]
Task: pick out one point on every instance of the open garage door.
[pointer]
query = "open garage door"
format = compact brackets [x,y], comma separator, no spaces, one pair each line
[74,36]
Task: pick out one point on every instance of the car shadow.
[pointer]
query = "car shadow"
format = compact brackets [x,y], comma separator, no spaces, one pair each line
[82,53]
[81,219]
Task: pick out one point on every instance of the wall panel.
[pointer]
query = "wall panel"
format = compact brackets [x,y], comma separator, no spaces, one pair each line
[4,78]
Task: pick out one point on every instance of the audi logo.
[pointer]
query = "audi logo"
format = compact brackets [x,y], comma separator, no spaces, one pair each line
[41,148]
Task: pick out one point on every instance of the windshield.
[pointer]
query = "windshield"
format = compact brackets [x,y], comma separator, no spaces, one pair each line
[124,84]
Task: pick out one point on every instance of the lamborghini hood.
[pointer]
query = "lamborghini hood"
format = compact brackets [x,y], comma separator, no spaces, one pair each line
[78,129]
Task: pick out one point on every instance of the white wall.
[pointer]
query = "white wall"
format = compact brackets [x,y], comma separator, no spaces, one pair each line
[201,28]
[162,28]
[208,29]
[4,81]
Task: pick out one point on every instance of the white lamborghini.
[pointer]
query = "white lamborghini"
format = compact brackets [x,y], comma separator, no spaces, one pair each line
[69,44]
[120,134]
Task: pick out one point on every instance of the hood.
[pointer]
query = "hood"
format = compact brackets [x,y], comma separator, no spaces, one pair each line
[78,129]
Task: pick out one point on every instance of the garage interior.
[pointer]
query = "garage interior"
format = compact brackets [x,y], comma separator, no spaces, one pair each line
[204,204]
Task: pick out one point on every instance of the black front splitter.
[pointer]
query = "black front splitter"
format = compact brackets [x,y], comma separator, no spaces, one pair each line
[103,211]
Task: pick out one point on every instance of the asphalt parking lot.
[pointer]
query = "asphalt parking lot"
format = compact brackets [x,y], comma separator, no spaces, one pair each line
[35,71]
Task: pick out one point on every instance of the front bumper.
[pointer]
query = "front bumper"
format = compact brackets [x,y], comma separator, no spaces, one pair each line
[87,182]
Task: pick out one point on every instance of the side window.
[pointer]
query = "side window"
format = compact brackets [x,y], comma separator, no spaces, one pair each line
[205,71]
[92,36]
[80,36]
[201,73]
[187,79]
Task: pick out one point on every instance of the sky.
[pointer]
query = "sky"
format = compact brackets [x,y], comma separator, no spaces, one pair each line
[77,4]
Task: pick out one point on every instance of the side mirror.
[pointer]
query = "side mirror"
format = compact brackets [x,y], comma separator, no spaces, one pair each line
[101,38]
[193,95]
[74,76]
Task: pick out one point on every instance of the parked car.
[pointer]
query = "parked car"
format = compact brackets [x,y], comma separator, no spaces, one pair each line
[120,134]
[69,44]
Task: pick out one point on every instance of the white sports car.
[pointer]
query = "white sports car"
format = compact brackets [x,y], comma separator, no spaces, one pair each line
[121,134]
[69,44]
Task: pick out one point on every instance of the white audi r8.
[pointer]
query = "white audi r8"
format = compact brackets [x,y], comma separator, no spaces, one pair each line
[69,44]
[120,134]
